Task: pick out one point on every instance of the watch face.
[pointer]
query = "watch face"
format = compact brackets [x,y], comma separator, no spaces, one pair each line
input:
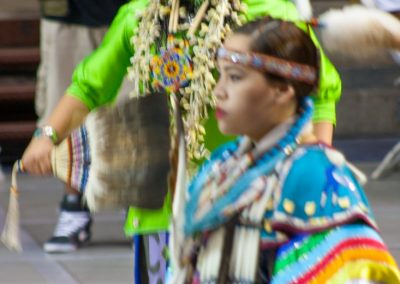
[47,131]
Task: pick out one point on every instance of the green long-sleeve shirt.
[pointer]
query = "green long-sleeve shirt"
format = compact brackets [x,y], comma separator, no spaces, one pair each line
[98,77]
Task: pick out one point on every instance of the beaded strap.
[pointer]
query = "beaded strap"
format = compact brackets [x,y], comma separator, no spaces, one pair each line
[288,69]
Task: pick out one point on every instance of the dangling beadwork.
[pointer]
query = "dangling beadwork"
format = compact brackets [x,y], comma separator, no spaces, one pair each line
[185,64]
[172,69]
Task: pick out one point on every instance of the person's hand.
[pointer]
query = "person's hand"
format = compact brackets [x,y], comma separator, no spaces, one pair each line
[37,156]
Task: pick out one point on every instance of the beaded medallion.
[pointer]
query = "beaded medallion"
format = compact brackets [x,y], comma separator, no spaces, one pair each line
[172,69]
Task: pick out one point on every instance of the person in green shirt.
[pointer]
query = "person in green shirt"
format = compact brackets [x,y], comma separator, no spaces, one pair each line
[141,31]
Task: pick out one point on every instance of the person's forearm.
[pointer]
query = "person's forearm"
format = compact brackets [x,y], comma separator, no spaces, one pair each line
[324,132]
[67,115]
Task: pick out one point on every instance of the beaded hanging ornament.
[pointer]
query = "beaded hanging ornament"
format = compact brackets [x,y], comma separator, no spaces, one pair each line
[184,64]
[172,69]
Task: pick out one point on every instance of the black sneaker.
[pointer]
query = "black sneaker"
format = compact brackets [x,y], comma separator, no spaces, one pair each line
[73,227]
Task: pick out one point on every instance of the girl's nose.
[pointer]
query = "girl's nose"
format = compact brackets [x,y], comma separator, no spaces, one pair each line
[219,91]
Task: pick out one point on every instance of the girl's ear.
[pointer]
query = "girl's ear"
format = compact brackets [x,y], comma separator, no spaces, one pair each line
[285,93]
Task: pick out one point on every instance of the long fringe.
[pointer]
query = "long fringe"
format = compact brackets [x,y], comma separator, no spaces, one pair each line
[359,32]
[11,231]
[179,201]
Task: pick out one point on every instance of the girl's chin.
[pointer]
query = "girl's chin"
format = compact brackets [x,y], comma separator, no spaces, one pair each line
[224,129]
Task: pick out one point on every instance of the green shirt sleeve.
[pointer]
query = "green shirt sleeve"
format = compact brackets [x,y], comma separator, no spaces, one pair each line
[97,79]
[330,86]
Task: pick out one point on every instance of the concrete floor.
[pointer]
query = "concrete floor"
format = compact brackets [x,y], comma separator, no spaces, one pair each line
[107,259]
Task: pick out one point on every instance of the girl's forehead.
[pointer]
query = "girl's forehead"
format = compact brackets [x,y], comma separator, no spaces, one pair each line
[238,42]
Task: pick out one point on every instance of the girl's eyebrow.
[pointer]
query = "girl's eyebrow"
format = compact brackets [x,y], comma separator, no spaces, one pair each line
[233,67]
[229,67]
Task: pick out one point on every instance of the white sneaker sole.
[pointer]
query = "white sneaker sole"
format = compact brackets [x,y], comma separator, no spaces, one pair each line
[59,248]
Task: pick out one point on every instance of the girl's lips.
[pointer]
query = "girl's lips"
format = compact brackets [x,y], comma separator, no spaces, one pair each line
[219,113]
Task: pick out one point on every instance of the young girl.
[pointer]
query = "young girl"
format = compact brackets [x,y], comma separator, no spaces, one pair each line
[276,205]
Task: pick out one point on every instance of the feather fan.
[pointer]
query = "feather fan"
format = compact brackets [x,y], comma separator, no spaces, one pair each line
[119,157]
[359,32]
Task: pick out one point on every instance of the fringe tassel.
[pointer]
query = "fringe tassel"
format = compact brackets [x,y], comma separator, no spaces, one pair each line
[179,201]
[10,235]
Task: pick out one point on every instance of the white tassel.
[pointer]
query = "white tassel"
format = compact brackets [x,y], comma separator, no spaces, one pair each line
[359,32]
[10,235]
[179,202]
[304,9]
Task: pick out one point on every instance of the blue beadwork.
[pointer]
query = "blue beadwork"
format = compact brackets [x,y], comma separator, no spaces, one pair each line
[86,159]
[263,166]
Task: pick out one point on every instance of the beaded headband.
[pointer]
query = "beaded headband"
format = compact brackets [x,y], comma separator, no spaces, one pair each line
[284,68]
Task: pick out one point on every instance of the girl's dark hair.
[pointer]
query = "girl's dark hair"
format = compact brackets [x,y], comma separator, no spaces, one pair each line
[283,40]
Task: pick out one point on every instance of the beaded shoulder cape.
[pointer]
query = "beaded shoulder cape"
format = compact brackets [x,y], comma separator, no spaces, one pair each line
[231,180]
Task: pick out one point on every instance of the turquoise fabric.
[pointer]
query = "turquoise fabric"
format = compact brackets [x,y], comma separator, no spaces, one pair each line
[330,187]
[98,77]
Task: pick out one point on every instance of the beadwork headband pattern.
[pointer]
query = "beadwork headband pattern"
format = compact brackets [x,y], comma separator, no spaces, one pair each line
[284,68]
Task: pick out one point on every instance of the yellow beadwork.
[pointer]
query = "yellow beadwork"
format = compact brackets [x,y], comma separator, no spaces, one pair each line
[310,208]
[344,202]
[289,206]
[267,226]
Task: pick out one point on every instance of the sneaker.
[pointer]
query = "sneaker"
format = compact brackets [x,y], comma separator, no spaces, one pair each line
[73,227]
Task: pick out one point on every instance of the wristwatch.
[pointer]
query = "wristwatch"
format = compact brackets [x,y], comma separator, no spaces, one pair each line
[47,131]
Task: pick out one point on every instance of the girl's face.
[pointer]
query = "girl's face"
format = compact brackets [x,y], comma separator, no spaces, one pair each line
[248,103]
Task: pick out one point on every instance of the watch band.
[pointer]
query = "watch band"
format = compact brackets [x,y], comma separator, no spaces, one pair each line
[47,131]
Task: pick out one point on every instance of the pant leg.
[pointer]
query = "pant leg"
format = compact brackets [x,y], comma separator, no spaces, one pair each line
[62,47]
[150,264]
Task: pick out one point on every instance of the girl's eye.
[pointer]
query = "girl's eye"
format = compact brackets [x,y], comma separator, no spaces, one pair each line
[235,77]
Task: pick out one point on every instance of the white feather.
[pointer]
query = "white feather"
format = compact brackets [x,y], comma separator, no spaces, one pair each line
[368,3]
[359,32]
[304,8]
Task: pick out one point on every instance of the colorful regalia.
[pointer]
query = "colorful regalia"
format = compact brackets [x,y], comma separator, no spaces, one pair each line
[155,41]
[280,212]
